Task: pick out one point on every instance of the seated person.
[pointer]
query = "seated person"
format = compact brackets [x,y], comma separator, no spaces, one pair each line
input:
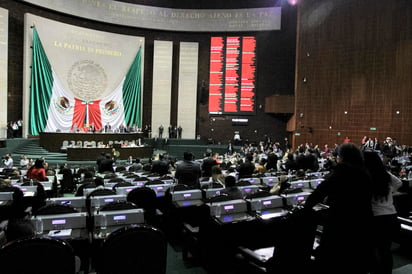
[280,186]
[18,228]
[231,189]
[217,175]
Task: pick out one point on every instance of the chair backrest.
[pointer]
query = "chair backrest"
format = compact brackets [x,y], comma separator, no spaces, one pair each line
[121,184]
[298,231]
[219,198]
[101,192]
[52,209]
[148,246]
[145,197]
[44,255]
[118,205]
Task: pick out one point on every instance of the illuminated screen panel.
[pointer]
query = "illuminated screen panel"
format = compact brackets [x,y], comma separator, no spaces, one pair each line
[232,75]
[216,80]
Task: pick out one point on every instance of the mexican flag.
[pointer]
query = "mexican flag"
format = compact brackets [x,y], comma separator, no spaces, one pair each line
[53,109]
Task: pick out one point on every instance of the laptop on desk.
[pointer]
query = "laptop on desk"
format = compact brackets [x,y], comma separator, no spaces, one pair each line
[272,213]
[29,191]
[78,202]
[185,203]
[6,196]
[234,218]
[124,190]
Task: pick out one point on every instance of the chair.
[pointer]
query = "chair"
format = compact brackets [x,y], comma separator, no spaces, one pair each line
[52,209]
[243,182]
[145,197]
[43,255]
[80,192]
[101,192]
[258,194]
[148,251]
[219,198]
[109,175]
[118,205]
[116,180]
[121,184]
[120,168]
[97,192]
[64,146]
[292,250]
[154,182]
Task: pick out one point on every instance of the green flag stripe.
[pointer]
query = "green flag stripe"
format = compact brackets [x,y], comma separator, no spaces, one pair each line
[132,93]
[41,85]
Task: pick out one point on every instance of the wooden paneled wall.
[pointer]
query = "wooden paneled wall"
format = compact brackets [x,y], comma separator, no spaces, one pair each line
[354,68]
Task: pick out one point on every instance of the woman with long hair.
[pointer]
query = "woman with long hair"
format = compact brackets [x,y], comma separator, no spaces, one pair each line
[385,220]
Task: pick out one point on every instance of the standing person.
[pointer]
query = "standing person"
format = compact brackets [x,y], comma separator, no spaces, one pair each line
[106,165]
[179,132]
[188,171]
[107,127]
[160,166]
[37,172]
[385,220]
[345,244]
[10,130]
[115,154]
[207,163]
[230,149]
[15,128]
[161,132]
[170,131]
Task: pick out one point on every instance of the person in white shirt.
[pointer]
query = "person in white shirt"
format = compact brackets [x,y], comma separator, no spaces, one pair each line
[385,220]
[8,161]
[24,162]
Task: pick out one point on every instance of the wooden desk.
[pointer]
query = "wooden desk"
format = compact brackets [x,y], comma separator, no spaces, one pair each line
[90,154]
[53,141]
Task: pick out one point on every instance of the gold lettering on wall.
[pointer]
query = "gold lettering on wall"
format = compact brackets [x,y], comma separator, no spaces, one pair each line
[145,16]
[82,48]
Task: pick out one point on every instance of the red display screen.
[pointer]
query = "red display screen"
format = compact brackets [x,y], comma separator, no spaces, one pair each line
[232,75]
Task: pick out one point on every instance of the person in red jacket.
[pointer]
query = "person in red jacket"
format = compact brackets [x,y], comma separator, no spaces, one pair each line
[37,172]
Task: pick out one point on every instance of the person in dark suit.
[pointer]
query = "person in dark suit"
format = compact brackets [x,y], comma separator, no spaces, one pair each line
[179,132]
[231,189]
[100,158]
[107,127]
[160,166]
[170,131]
[246,168]
[106,164]
[207,164]
[345,245]
[188,171]
[230,149]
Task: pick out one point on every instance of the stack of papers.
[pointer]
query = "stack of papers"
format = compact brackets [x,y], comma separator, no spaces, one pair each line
[60,233]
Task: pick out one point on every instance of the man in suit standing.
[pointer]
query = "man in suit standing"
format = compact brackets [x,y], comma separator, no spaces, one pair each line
[161,131]
[107,127]
[188,171]
[207,164]
[160,166]
[179,132]
[106,164]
